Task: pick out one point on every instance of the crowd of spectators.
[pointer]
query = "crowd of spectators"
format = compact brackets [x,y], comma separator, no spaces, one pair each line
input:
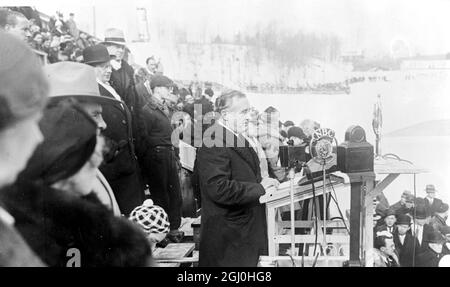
[59,38]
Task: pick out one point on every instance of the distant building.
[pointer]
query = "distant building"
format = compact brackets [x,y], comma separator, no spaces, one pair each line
[432,62]
[352,56]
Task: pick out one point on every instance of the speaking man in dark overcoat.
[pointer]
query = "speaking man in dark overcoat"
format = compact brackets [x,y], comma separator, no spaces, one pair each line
[120,165]
[233,228]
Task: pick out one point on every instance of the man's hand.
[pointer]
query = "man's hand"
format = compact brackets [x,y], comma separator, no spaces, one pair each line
[268,182]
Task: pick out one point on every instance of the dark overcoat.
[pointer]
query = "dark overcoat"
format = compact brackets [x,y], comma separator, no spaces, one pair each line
[406,250]
[233,228]
[120,165]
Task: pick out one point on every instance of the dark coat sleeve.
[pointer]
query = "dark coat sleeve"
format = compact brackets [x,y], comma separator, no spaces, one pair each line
[215,173]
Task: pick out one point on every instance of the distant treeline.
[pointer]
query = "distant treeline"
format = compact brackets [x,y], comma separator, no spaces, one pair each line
[287,48]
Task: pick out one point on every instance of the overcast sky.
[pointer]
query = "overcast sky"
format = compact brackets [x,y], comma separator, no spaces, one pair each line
[361,24]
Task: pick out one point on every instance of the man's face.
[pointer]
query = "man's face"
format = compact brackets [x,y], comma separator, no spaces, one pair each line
[403,199]
[94,110]
[389,248]
[21,29]
[237,116]
[409,205]
[152,65]
[390,220]
[431,194]
[437,247]
[161,93]
[103,72]
[116,50]
[38,38]
[402,229]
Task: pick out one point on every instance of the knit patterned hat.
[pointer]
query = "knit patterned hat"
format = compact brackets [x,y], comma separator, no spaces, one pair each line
[151,218]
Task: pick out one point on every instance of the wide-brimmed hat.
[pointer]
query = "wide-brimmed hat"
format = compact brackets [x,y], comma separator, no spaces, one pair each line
[114,36]
[96,54]
[434,237]
[420,212]
[390,212]
[70,79]
[430,188]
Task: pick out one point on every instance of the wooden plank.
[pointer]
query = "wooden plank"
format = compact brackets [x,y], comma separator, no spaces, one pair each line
[310,238]
[271,230]
[368,222]
[174,251]
[383,184]
[392,165]
[186,226]
[310,224]
[282,198]
[167,264]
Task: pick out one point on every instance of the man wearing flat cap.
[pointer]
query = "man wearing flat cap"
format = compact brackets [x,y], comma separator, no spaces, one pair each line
[431,202]
[160,164]
[405,205]
[120,166]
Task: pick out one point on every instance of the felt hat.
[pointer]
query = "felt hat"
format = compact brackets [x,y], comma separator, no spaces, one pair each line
[70,137]
[114,36]
[430,188]
[420,212]
[96,54]
[389,212]
[403,219]
[434,237]
[70,79]
[151,218]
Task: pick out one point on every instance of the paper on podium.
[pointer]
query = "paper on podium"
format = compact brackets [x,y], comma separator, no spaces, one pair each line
[283,186]
[187,155]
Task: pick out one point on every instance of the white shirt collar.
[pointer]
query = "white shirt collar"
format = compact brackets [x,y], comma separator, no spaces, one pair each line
[111,90]
[6,217]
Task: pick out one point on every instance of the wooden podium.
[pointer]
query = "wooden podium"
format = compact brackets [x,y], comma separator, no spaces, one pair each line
[363,187]
[281,197]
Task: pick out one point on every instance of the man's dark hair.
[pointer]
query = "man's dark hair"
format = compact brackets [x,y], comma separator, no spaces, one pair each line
[224,100]
[380,241]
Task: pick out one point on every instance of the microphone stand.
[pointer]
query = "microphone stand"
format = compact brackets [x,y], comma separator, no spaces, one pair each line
[291,177]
